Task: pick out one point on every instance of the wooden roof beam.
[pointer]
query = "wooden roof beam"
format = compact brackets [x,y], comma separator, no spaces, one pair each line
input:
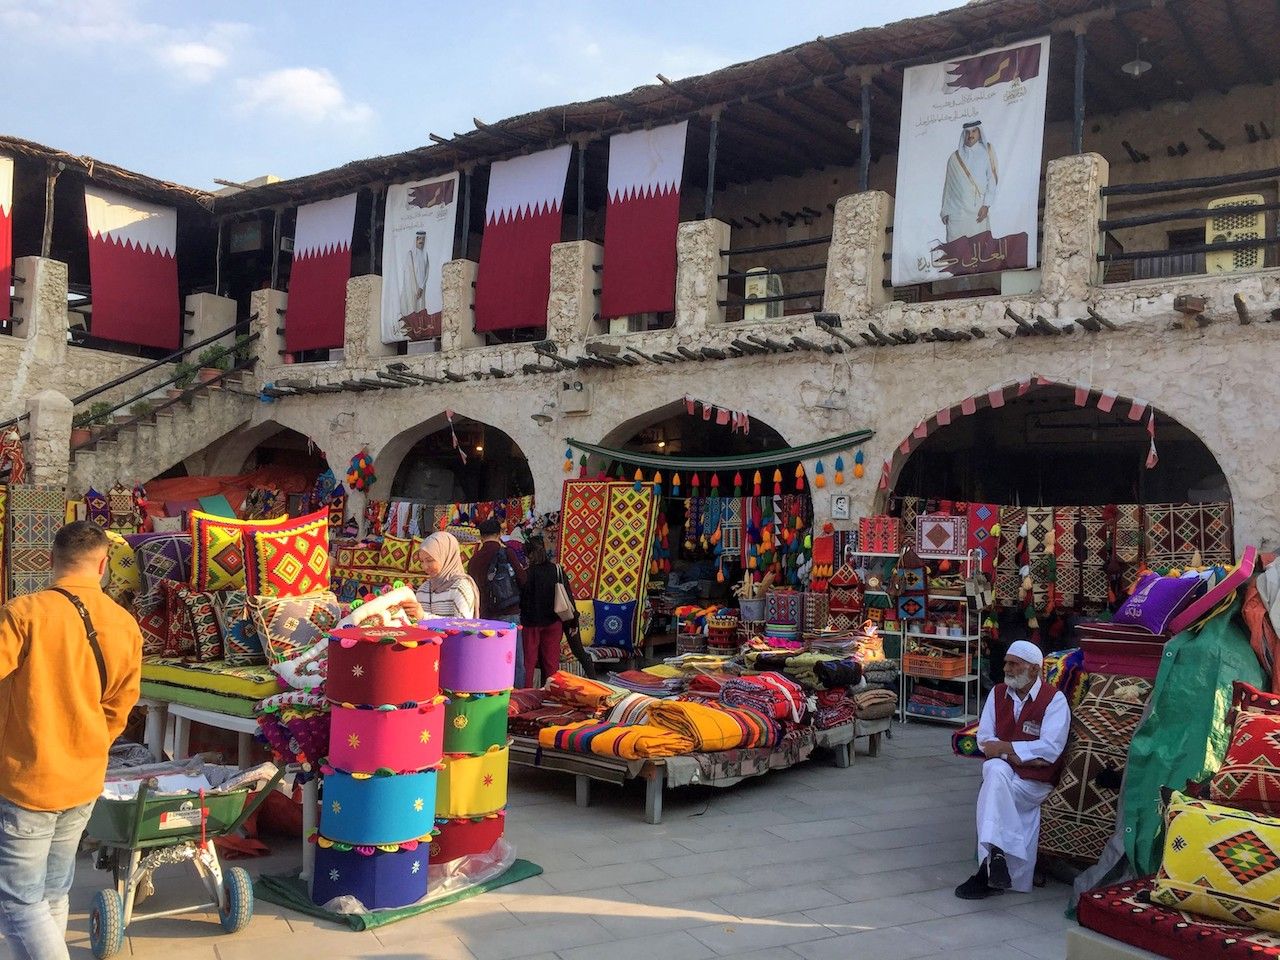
[814,137]
[1245,38]
[1208,72]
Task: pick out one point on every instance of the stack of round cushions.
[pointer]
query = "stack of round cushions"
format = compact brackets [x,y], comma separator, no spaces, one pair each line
[477,669]
[386,738]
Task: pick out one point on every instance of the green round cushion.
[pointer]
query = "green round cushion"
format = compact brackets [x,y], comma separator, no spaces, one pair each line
[475,722]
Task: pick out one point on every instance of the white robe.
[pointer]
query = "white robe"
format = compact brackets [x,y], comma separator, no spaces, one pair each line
[413,281]
[1008,805]
[963,194]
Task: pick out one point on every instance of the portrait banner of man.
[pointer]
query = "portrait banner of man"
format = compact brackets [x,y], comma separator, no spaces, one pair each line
[417,241]
[969,157]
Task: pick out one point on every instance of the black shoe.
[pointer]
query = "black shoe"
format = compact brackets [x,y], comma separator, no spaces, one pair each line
[976,887]
[998,871]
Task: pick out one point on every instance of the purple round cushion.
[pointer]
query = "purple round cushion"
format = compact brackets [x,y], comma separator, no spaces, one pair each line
[1156,599]
[477,656]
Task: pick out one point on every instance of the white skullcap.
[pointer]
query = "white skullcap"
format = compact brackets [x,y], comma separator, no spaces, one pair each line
[1025,650]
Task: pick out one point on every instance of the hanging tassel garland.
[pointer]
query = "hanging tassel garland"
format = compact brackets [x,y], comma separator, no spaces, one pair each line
[858,469]
[839,471]
[799,477]
[639,485]
[696,483]
[737,484]
[675,484]
[819,480]
[777,483]
[657,483]
[715,484]
[756,481]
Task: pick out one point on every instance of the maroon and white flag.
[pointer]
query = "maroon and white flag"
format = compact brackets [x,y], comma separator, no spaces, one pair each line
[315,317]
[522,221]
[133,270]
[643,214]
[6,233]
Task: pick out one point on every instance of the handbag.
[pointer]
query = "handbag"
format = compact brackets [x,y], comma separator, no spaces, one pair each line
[564,605]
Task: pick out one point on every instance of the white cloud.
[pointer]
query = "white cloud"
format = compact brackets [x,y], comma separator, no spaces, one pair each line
[197,62]
[303,94]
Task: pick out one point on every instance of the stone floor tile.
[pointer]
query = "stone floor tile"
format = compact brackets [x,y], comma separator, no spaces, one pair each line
[571,881]
[526,940]
[776,899]
[677,889]
[974,929]
[890,943]
[870,914]
[748,935]
[673,945]
[643,919]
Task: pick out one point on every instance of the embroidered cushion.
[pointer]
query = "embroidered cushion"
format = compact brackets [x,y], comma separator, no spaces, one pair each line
[163,556]
[615,624]
[202,620]
[1156,599]
[290,626]
[153,621]
[1220,863]
[179,641]
[290,561]
[586,621]
[1246,698]
[1250,775]
[241,644]
[395,554]
[217,553]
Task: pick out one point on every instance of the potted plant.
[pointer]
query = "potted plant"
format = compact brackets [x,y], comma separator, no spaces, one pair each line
[99,416]
[212,363]
[186,375]
[80,432]
[243,349]
[142,409]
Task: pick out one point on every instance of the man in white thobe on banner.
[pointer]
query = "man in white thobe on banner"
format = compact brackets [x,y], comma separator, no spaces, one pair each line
[1023,732]
[413,276]
[973,180]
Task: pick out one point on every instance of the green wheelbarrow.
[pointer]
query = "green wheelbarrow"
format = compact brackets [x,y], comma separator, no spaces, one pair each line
[140,834]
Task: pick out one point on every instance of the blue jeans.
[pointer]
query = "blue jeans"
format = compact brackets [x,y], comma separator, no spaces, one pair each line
[37,865]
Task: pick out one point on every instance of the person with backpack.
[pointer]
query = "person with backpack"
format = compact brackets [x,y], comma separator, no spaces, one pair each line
[70,665]
[543,624]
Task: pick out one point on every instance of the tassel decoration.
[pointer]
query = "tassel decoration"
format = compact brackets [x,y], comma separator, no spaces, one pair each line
[799,477]
[715,484]
[696,483]
[839,471]
[819,479]
[639,480]
[858,469]
[657,483]
[737,484]
[777,482]
[675,485]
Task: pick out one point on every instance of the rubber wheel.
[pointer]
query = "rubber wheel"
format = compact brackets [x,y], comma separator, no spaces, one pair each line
[237,886]
[106,923]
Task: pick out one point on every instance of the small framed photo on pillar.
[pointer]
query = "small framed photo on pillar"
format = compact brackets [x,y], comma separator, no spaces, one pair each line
[839,506]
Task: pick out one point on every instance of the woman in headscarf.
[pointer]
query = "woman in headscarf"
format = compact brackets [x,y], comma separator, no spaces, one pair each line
[447,591]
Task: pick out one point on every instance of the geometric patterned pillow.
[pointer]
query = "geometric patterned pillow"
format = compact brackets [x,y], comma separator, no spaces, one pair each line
[1221,863]
[290,561]
[289,626]
[203,622]
[181,640]
[218,556]
[241,645]
[1250,775]
[123,578]
[615,623]
[161,556]
[1246,698]
[586,621]
[153,621]
[395,554]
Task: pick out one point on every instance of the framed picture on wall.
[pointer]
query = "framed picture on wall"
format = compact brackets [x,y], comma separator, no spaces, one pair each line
[839,506]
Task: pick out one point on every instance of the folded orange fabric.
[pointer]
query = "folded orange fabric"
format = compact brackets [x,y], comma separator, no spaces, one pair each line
[581,692]
[707,727]
[634,742]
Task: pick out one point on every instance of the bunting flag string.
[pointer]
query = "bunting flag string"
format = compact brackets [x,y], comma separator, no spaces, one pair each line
[736,420]
[462,454]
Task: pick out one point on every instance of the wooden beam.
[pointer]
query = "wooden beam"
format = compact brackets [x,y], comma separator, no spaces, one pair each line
[1207,70]
[1256,58]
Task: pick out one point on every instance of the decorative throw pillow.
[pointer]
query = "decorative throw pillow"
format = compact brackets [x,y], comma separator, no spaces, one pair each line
[289,561]
[615,624]
[1220,863]
[180,641]
[202,620]
[586,621]
[217,553]
[1246,698]
[1250,775]
[241,645]
[395,554]
[290,626]
[153,621]
[1156,599]
[160,557]
[123,579]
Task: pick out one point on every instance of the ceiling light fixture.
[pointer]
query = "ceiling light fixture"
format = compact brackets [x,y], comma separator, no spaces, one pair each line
[1137,66]
[543,415]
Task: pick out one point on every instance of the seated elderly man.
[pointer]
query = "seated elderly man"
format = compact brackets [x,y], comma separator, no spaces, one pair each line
[1023,732]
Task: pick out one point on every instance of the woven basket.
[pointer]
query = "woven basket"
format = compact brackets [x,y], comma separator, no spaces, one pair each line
[690,643]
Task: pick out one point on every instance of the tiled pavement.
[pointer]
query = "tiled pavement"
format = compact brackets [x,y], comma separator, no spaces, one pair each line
[814,862]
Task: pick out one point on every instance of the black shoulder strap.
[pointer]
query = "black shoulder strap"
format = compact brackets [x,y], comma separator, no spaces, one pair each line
[90,632]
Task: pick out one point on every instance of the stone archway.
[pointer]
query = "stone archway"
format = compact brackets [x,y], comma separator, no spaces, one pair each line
[231,455]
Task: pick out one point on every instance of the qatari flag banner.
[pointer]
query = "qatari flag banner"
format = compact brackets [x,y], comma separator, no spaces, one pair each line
[132,270]
[522,221]
[645,169]
[969,164]
[6,233]
[316,313]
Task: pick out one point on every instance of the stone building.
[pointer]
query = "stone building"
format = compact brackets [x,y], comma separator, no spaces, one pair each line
[790,166]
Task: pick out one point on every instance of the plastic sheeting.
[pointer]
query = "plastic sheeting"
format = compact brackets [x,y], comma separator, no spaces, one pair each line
[1185,734]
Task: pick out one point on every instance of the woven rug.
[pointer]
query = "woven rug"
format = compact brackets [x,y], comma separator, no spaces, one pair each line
[983,518]
[584,509]
[1008,580]
[1066,547]
[1079,816]
[912,507]
[1176,532]
[1093,552]
[36,515]
[628,544]
[731,526]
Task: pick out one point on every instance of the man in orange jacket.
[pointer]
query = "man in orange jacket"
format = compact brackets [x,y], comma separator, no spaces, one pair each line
[70,659]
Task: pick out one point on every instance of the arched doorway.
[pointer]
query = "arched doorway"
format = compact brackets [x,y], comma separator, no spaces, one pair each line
[465,461]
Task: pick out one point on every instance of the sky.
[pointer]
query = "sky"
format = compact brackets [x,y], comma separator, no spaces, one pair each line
[193,91]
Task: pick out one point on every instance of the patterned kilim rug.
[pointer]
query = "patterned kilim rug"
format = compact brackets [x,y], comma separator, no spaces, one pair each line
[35,514]
[1176,532]
[583,511]
[1079,816]
[1008,579]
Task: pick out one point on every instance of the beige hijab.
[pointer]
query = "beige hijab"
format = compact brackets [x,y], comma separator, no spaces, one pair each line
[444,549]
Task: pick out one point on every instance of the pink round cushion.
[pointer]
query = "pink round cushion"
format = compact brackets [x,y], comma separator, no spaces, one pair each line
[380,666]
[409,739]
[477,656]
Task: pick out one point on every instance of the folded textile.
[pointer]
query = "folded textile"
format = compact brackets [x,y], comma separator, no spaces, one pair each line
[762,661]
[582,692]
[633,708]
[638,681]
[522,700]
[634,742]
[875,704]
[770,693]
[531,722]
[759,729]
[707,727]
[844,711]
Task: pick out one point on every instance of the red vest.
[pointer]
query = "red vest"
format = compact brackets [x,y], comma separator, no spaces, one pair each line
[1026,727]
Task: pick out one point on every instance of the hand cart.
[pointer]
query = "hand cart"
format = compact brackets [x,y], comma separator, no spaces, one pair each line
[149,831]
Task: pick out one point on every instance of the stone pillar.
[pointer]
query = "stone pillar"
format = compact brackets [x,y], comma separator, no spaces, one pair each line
[48,449]
[458,322]
[855,260]
[268,307]
[362,339]
[41,317]
[206,315]
[573,303]
[699,264]
[1072,208]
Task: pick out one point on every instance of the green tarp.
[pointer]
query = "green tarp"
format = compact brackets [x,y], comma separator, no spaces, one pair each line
[1185,733]
[291,892]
